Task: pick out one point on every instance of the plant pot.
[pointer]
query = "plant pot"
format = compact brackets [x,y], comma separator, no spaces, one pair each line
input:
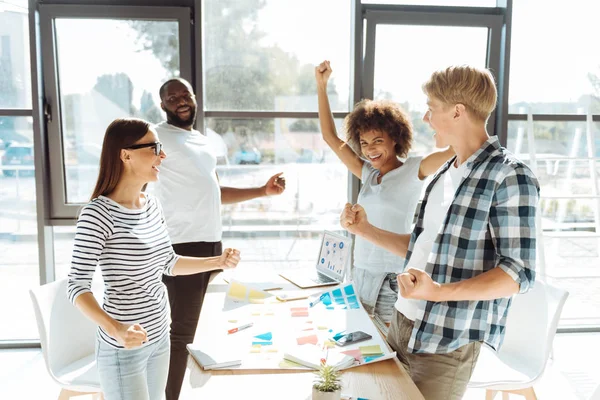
[318,395]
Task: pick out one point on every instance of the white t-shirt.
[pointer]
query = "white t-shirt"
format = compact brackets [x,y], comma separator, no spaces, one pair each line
[390,205]
[438,203]
[187,186]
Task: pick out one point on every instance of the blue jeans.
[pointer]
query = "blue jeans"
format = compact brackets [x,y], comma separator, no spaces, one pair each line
[133,374]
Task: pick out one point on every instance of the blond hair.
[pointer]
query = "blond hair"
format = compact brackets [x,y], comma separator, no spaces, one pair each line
[472,87]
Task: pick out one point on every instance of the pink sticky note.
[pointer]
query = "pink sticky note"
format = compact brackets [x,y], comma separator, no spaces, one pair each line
[300,314]
[354,353]
[295,309]
[312,339]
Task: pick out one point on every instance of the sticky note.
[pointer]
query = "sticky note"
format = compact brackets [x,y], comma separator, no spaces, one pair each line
[313,339]
[352,299]
[349,290]
[271,349]
[232,320]
[340,300]
[329,344]
[371,350]
[337,293]
[371,358]
[255,350]
[255,294]
[262,343]
[265,336]
[354,306]
[326,299]
[321,327]
[289,364]
[237,290]
[354,353]
[300,314]
[296,309]
[330,307]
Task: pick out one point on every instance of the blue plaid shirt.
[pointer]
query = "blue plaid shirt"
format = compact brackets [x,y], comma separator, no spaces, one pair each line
[490,223]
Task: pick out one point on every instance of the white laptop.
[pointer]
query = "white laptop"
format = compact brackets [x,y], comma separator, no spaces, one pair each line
[334,254]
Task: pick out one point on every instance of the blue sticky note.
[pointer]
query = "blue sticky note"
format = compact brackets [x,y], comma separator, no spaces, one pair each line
[352,299]
[340,300]
[330,307]
[337,293]
[262,343]
[349,290]
[326,299]
[371,358]
[265,336]
[354,306]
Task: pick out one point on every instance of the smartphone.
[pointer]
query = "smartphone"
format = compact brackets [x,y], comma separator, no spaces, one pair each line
[353,337]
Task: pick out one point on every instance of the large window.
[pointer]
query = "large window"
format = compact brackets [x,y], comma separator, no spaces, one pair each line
[258,60]
[554,99]
[104,63]
[19,269]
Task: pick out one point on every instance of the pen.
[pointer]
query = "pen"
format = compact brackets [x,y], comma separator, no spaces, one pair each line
[318,299]
[239,328]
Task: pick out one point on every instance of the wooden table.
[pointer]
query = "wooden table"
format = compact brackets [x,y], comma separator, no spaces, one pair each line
[381,380]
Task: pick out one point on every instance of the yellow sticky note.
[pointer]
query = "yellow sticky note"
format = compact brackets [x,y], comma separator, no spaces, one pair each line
[237,290]
[232,320]
[255,313]
[322,327]
[290,364]
[329,344]
[255,294]
[255,349]
[271,349]
[370,350]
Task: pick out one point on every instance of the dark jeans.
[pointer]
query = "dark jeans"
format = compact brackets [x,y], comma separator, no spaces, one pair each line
[186,294]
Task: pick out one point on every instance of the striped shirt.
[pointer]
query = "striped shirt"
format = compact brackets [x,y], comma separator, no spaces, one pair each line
[133,250]
[490,223]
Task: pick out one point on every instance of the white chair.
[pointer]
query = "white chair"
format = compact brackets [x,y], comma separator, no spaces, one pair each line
[596,394]
[530,328]
[67,338]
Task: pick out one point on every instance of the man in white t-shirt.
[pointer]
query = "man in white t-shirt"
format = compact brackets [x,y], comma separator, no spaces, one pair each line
[473,245]
[191,198]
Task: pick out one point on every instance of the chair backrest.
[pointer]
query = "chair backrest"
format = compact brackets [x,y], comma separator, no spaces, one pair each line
[531,325]
[66,334]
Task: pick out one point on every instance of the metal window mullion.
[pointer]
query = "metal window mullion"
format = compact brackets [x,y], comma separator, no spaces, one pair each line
[554,117]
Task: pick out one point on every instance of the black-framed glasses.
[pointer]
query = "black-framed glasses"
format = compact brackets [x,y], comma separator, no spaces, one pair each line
[157,147]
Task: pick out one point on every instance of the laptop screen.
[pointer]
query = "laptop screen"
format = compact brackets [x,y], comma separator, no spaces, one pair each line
[334,255]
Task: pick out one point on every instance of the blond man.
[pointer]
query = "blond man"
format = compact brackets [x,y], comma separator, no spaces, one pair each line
[473,245]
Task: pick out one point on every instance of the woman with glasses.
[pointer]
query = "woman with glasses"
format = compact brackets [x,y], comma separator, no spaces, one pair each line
[122,230]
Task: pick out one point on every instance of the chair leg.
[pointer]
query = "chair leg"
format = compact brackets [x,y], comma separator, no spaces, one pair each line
[490,394]
[505,396]
[71,395]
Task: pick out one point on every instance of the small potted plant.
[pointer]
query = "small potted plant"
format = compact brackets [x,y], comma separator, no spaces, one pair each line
[327,385]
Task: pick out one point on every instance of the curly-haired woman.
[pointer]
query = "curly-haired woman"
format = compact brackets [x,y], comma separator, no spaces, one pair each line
[378,138]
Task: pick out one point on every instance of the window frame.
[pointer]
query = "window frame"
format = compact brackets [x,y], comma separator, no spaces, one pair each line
[62,212]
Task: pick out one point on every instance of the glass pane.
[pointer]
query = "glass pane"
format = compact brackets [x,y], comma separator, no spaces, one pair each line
[543,72]
[257,149]
[400,80]
[18,229]
[260,55]
[107,69]
[15,73]
[454,3]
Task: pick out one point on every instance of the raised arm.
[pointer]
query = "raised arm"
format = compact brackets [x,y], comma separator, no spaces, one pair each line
[274,186]
[194,265]
[328,131]
[432,162]
[354,220]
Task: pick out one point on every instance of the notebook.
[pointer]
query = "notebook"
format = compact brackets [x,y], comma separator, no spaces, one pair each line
[310,356]
[213,357]
[334,254]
